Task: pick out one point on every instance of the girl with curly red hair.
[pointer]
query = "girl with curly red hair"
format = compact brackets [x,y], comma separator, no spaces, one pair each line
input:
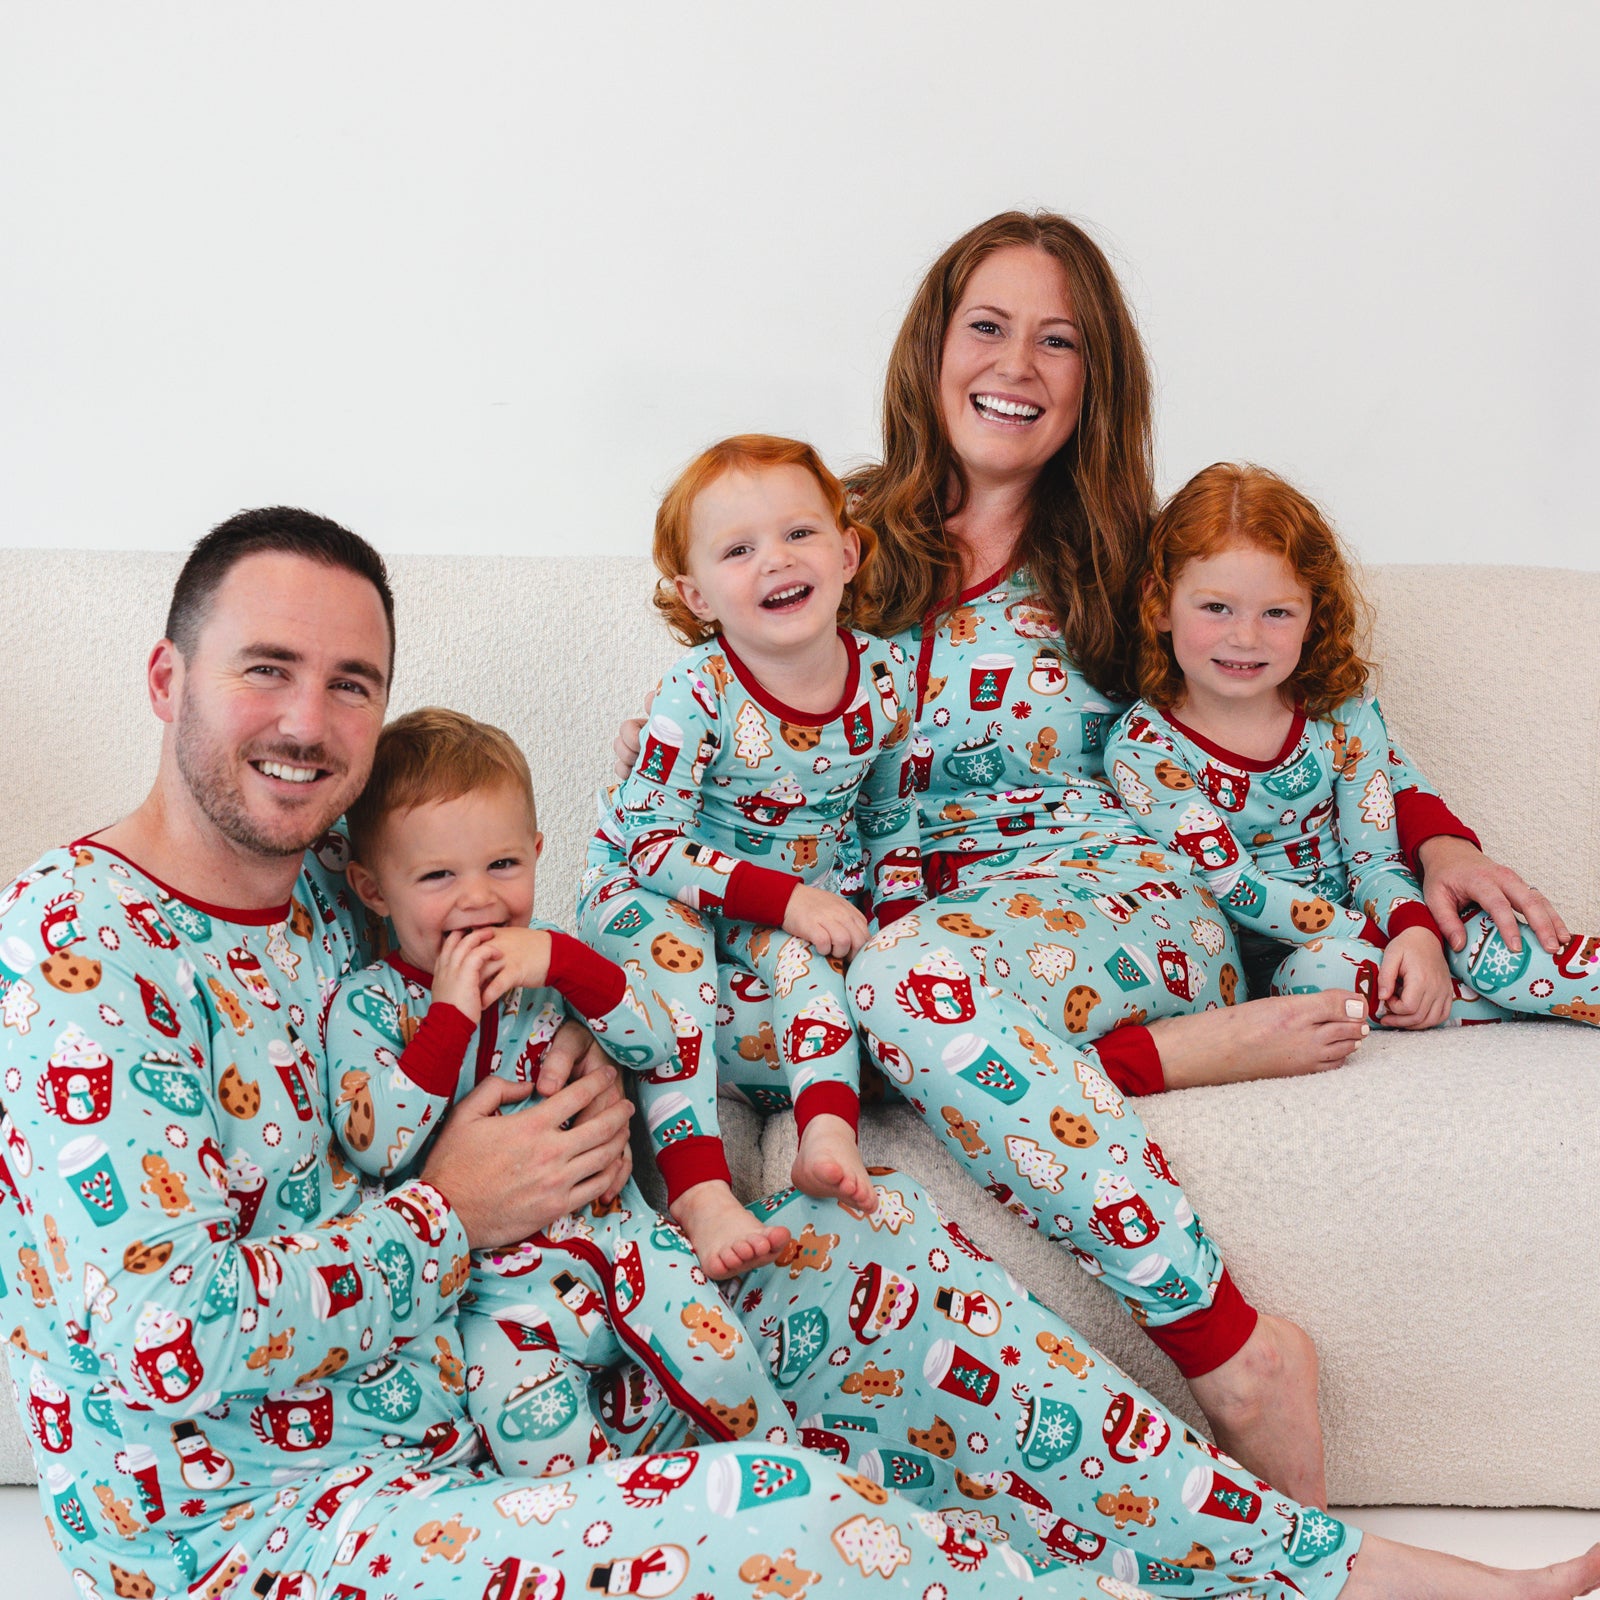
[1259,753]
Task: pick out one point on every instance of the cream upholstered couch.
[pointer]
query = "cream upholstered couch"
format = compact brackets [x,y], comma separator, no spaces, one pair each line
[1431,1213]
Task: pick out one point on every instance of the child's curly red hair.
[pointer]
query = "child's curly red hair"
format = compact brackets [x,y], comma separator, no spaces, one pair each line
[1237,503]
[747,452]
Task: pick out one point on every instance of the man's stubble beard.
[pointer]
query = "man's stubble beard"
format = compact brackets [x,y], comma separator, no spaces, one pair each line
[204,767]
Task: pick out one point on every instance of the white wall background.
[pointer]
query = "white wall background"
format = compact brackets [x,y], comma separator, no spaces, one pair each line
[481,276]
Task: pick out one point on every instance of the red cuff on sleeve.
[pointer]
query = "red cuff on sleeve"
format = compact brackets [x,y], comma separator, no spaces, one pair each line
[1130,1060]
[686,1162]
[433,1059]
[587,980]
[1374,935]
[758,894]
[1203,1340]
[1413,914]
[889,911]
[1420,817]
[830,1100]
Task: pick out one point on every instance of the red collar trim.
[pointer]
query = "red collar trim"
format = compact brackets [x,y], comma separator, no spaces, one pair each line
[1232,757]
[244,915]
[804,719]
[1002,575]
[410,973]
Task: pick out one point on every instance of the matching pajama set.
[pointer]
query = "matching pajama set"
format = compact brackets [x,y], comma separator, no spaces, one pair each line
[1011,1008]
[241,1372]
[737,799]
[1302,852]
[539,1317]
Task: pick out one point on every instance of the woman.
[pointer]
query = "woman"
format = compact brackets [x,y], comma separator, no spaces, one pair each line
[1068,961]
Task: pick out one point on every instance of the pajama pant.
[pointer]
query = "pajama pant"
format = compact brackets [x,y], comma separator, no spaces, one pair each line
[995,1009]
[802,1052]
[1492,982]
[613,1287]
[961,1445]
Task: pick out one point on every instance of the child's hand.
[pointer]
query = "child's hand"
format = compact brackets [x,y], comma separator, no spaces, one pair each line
[465,963]
[525,954]
[1414,985]
[828,922]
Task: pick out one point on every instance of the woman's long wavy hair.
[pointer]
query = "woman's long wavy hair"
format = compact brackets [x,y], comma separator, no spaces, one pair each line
[1235,503]
[1084,541]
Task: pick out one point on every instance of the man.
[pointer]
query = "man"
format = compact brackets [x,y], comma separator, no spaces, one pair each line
[242,1376]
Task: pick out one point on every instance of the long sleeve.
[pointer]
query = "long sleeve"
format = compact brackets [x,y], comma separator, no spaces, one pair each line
[1421,813]
[660,810]
[886,813]
[1381,883]
[1159,784]
[117,1133]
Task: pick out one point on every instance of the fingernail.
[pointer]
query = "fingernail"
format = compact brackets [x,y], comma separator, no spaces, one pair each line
[1365,1030]
[1354,1009]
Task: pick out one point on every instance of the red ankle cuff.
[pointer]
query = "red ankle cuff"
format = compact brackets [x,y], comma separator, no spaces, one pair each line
[827,1099]
[1131,1061]
[1203,1340]
[686,1162]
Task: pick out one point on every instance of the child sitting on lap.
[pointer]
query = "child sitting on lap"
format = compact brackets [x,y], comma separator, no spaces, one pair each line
[776,742]
[1257,752]
[445,841]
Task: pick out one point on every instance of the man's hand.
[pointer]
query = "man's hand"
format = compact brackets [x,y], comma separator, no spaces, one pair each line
[1414,985]
[573,1054]
[827,922]
[465,963]
[1457,874]
[507,1177]
[524,961]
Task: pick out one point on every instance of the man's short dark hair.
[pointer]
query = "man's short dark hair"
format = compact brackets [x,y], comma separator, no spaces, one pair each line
[284,529]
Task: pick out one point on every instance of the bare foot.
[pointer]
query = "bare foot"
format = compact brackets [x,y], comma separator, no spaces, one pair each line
[829,1165]
[726,1238]
[1262,1405]
[1280,1037]
[1384,1570]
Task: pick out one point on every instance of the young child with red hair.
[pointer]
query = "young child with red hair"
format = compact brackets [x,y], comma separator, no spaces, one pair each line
[1258,751]
[773,747]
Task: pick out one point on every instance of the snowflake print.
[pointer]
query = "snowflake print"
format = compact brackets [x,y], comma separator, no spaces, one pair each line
[192,1508]
[938,1260]
[865,995]
[110,938]
[1021,710]
[1010,1355]
[1118,1153]
[379,1565]
[1091,1466]
[1160,921]
[1499,963]
[272,1134]
[839,1357]
[277,1539]
[1002,967]
[977,1443]
[596,1534]
[1541,988]
[805,1342]
[941,717]
[821,764]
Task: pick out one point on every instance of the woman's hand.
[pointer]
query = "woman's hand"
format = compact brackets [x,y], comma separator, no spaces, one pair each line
[465,963]
[1414,985]
[827,922]
[508,1177]
[625,747]
[1457,874]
